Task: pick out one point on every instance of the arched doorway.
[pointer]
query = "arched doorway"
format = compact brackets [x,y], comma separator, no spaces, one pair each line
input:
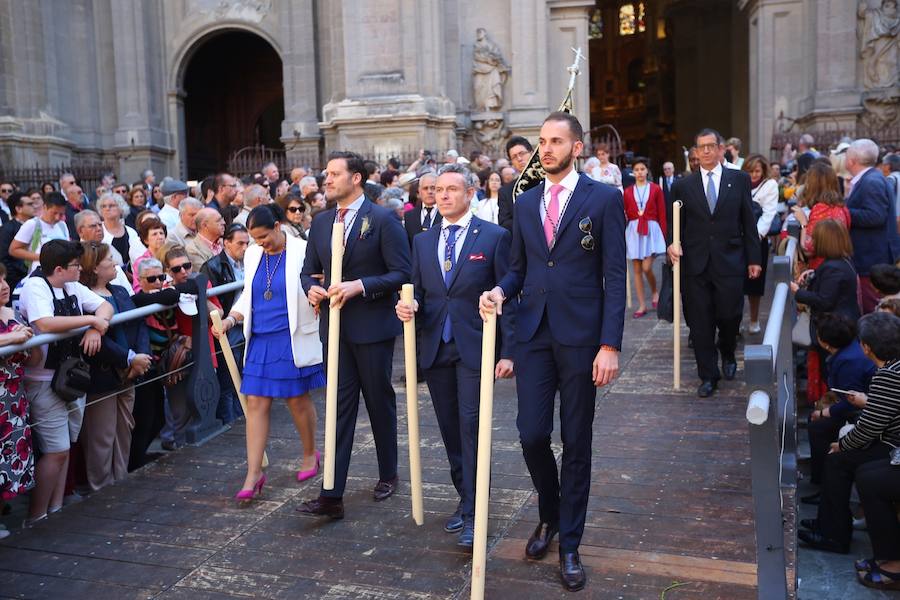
[660,70]
[234,97]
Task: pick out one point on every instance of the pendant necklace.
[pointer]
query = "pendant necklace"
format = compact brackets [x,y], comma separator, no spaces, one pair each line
[267,295]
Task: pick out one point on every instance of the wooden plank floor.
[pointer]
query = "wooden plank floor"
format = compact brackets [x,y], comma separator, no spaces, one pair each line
[671,503]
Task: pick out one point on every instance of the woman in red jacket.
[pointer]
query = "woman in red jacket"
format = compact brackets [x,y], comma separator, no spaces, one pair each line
[645,235]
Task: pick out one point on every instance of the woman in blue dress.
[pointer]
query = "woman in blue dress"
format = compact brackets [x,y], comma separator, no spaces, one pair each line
[284,354]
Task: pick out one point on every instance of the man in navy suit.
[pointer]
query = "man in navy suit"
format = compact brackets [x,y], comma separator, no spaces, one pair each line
[720,248]
[426,215]
[452,264]
[873,220]
[568,262]
[376,263]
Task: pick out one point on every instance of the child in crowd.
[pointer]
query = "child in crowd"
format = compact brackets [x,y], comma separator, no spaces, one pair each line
[55,302]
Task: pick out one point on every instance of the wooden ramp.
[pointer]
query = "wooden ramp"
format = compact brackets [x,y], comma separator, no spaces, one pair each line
[671,509]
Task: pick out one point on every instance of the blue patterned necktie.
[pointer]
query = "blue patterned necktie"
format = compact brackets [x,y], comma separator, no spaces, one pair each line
[426,224]
[711,196]
[449,261]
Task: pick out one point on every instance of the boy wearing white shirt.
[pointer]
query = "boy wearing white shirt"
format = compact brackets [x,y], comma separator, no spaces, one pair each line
[55,303]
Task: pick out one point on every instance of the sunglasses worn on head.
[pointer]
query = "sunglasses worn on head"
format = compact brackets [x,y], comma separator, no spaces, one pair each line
[155,278]
[177,268]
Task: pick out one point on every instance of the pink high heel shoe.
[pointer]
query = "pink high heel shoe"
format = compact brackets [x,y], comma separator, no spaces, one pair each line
[304,475]
[244,497]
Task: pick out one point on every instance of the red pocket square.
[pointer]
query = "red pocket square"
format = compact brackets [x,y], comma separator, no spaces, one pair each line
[479,256]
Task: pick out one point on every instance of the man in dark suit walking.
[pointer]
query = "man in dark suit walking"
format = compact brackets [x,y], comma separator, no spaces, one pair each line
[426,215]
[452,264]
[666,181]
[873,217]
[518,150]
[568,262]
[719,248]
[376,263]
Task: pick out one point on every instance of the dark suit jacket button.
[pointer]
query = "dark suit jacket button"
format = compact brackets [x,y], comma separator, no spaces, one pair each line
[549,263]
[543,291]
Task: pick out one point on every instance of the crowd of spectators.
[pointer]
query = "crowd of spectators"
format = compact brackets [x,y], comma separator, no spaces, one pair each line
[67,260]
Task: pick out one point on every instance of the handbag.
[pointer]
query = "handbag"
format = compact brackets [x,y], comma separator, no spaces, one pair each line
[72,379]
[177,354]
[665,307]
[801,334]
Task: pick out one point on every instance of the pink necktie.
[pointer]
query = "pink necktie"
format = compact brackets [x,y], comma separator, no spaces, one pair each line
[551,220]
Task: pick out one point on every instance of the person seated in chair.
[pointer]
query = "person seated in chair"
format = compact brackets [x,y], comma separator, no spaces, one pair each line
[876,433]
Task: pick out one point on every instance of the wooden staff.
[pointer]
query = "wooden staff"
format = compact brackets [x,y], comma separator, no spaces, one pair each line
[676,293]
[412,408]
[628,301]
[232,367]
[483,470]
[334,338]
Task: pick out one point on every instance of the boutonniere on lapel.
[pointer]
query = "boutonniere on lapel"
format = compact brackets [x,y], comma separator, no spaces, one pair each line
[365,229]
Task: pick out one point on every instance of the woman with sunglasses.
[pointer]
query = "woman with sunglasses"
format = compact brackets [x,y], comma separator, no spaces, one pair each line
[645,234]
[295,210]
[180,271]
[284,354]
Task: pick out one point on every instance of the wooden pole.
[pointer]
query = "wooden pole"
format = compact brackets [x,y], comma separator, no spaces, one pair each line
[331,376]
[412,408]
[483,470]
[628,301]
[232,368]
[676,294]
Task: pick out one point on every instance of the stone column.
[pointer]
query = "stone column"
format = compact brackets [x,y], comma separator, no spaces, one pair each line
[568,28]
[778,62]
[386,82]
[140,140]
[527,90]
[300,129]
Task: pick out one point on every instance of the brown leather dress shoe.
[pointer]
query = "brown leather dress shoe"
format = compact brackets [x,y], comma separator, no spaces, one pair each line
[322,506]
[539,542]
[385,489]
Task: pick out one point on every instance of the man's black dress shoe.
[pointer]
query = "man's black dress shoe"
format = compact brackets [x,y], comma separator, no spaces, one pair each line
[729,368]
[385,489]
[706,389]
[455,523]
[539,542]
[812,498]
[811,524]
[323,506]
[571,572]
[467,535]
[816,540]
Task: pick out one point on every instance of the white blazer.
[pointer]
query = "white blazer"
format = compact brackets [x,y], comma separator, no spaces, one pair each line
[302,320]
[136,248]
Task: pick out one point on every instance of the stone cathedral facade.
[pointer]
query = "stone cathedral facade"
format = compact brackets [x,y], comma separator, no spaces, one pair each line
[167,84]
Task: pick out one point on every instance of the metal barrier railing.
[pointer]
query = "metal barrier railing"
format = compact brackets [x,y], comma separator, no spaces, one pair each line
[203,384]
[769,372]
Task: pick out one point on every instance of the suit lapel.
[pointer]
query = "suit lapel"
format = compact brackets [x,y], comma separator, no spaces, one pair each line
[724,189]
[471,235]
[576,199]
[538,236]
[361,215]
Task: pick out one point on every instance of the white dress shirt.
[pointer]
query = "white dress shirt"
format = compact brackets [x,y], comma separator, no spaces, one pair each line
[464,222]
[350,217]
[431,216]
[568,182]
[488,210]
[717,179]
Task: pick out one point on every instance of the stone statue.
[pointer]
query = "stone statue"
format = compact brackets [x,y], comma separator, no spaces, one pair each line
[489,73]
[490,135]
[878,29]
